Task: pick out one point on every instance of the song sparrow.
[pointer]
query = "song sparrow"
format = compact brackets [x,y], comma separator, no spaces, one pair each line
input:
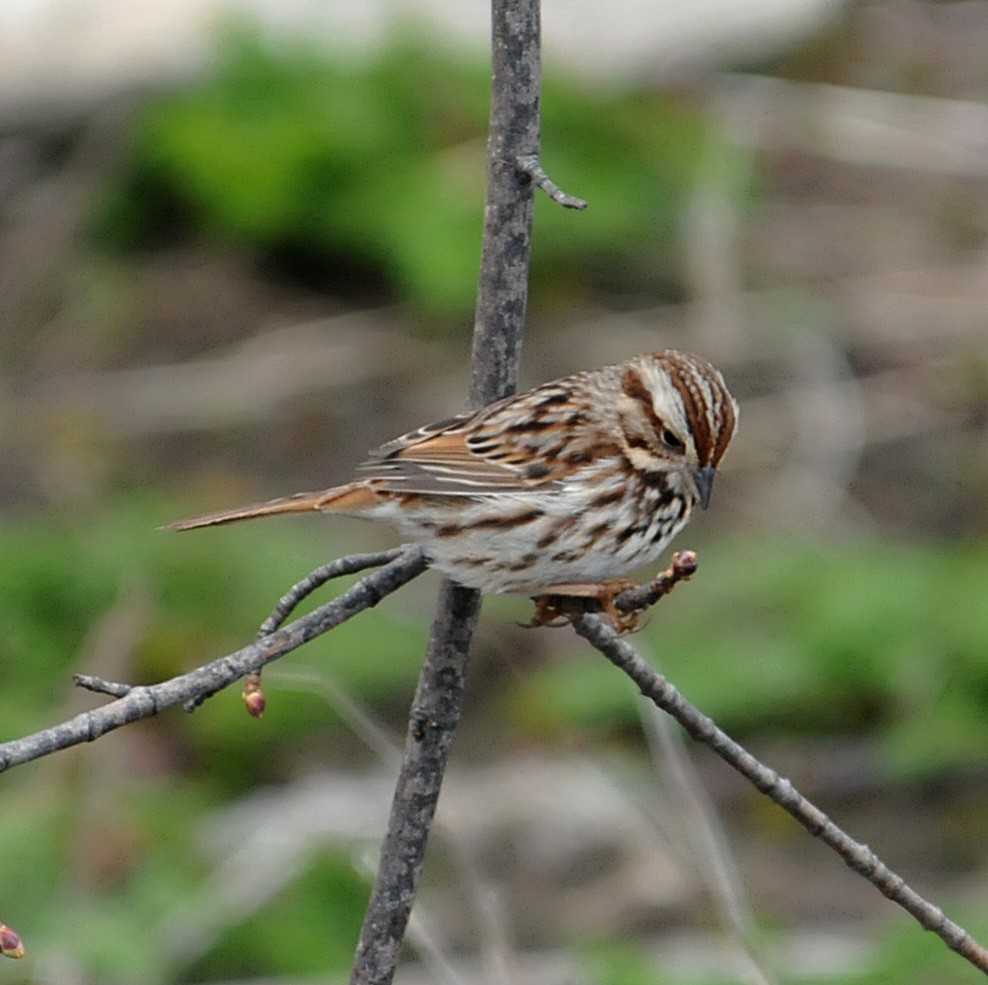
[556,491]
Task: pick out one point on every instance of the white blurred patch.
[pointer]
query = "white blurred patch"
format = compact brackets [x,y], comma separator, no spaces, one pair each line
[75,52]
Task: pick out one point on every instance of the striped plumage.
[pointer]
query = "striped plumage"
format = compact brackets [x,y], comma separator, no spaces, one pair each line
[555,490]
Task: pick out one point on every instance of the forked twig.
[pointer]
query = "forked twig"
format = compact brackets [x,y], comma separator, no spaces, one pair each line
[137,702]
[253,696]
[857,856]
[348,565]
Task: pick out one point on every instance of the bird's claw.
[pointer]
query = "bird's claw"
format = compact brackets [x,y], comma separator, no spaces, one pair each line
[564,603]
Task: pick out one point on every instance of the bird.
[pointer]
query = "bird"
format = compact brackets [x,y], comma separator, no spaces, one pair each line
[558,491]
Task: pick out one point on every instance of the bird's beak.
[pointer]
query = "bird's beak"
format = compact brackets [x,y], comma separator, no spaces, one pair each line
[704,479]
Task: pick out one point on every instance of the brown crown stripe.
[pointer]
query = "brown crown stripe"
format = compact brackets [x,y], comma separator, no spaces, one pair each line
[684,377]
[721,413]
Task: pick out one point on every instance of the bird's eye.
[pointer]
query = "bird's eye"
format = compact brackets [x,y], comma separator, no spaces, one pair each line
[673,441]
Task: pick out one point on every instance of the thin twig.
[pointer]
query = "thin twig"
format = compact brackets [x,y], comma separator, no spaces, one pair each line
[623,610]
[96,684]
[857,856]
[348,565]
[530,165]
[144,701]
[684,566]
[253,697]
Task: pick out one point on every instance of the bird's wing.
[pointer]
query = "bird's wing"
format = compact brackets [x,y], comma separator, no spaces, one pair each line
[532,440]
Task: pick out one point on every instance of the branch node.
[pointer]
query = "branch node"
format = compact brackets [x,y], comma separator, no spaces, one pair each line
[348,565]
[529,165]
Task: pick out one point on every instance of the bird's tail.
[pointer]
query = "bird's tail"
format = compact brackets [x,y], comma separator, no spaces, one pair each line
[354,498]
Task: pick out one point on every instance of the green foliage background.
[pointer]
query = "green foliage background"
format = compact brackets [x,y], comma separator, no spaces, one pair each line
[291,151]
[806,640]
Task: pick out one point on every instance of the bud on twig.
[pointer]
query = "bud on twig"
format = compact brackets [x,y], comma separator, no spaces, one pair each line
[253,696]
[11,945]
[684,565]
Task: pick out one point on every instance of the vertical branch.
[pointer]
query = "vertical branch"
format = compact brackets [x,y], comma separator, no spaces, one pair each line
[498,330]
[432,721]
[502,294]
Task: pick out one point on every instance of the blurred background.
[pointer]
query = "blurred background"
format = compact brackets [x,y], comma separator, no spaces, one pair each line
[239,247]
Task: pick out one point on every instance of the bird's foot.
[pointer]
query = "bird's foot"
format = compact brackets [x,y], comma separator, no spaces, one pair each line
[560,604]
